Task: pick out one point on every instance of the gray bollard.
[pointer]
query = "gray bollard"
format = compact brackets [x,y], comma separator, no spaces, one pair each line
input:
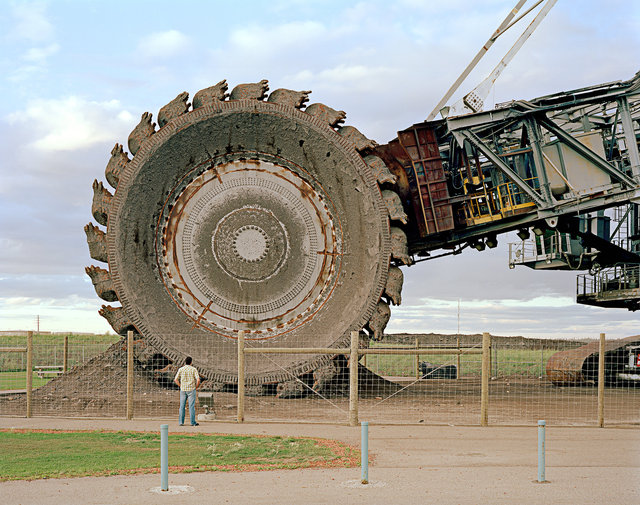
[541,450]
[164,457]
[364,453]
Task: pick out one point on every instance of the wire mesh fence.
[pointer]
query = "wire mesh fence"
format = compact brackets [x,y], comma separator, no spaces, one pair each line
[405,379]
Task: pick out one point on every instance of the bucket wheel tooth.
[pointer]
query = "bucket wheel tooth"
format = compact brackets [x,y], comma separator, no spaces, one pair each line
[141,132]
[296,99]
[101,203]
[394,206]
[380,170]
[173,109]
[324,376]
[378,321]
[393,288]
[251,91]
[102,283]
[97,241]
[117,318]
[399,246]
[115,166]
[326,114]
[353,135]
[211,95]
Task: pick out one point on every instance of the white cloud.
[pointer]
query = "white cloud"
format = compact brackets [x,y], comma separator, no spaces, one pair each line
[345,79]
[354,73]
[540,302]
[31,22]
[71,313]
[39,55]
[30,27]
[259,39]
[72,123]
[35,59]
[165,44]
[10,247]
[540,316]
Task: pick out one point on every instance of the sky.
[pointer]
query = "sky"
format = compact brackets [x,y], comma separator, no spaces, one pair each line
[75,76]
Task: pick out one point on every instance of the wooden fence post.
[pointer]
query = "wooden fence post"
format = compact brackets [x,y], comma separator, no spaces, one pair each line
[65,355]
[241,377]
[486,365]
[353,379]
[130,374]
[601,381]
[418,374]
[29,370]
[459,370]
[494,359]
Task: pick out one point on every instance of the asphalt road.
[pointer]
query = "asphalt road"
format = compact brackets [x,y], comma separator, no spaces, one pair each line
[411,465]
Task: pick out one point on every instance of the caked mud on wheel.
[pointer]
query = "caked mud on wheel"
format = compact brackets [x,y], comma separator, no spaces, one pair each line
[253,215]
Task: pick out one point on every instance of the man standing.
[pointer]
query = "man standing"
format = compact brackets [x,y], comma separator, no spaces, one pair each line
[188,381]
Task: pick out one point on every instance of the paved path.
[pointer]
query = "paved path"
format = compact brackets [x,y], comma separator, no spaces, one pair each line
[412,465]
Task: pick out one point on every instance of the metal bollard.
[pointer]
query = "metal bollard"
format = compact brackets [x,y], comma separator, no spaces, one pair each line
[364,453]
[164,457]
[541,450]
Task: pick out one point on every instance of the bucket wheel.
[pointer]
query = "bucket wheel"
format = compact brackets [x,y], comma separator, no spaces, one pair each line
[244,212]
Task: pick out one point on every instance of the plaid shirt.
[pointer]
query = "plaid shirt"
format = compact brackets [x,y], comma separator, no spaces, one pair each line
[188,378]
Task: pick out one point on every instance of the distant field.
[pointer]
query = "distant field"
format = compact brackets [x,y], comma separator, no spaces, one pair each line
[48,350]
[18,380]
[505,362]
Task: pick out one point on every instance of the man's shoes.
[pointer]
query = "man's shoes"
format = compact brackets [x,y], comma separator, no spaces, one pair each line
[181,424]
[195,424]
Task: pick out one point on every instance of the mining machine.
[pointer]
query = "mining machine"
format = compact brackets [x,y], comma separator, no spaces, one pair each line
[253,211]
[246,213]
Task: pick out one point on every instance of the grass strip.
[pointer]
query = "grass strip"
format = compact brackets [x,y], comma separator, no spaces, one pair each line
[18,380]
[44,454]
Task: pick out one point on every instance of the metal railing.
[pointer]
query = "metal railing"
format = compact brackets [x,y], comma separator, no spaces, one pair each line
[617,278]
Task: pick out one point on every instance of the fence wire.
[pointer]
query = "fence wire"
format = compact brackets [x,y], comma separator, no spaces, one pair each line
[86,375]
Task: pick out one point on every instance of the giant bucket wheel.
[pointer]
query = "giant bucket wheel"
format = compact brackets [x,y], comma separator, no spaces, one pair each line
[245,214]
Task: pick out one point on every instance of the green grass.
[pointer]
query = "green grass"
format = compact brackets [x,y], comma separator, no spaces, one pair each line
[523,362]
[28,455]
[18,380]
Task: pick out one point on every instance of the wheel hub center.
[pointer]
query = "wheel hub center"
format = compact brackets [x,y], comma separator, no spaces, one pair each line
[251,243]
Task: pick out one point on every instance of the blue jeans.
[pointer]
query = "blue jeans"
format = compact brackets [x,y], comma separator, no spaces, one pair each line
[192,405]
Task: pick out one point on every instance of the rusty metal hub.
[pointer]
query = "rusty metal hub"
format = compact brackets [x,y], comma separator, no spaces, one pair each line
[248,245]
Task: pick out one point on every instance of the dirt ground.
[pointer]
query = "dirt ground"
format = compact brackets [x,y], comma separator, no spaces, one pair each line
[436,402]
[409,465]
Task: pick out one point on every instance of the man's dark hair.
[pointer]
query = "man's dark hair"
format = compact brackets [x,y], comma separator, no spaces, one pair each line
[188,360]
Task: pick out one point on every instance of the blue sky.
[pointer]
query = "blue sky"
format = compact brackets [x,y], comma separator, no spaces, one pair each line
[75,76]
